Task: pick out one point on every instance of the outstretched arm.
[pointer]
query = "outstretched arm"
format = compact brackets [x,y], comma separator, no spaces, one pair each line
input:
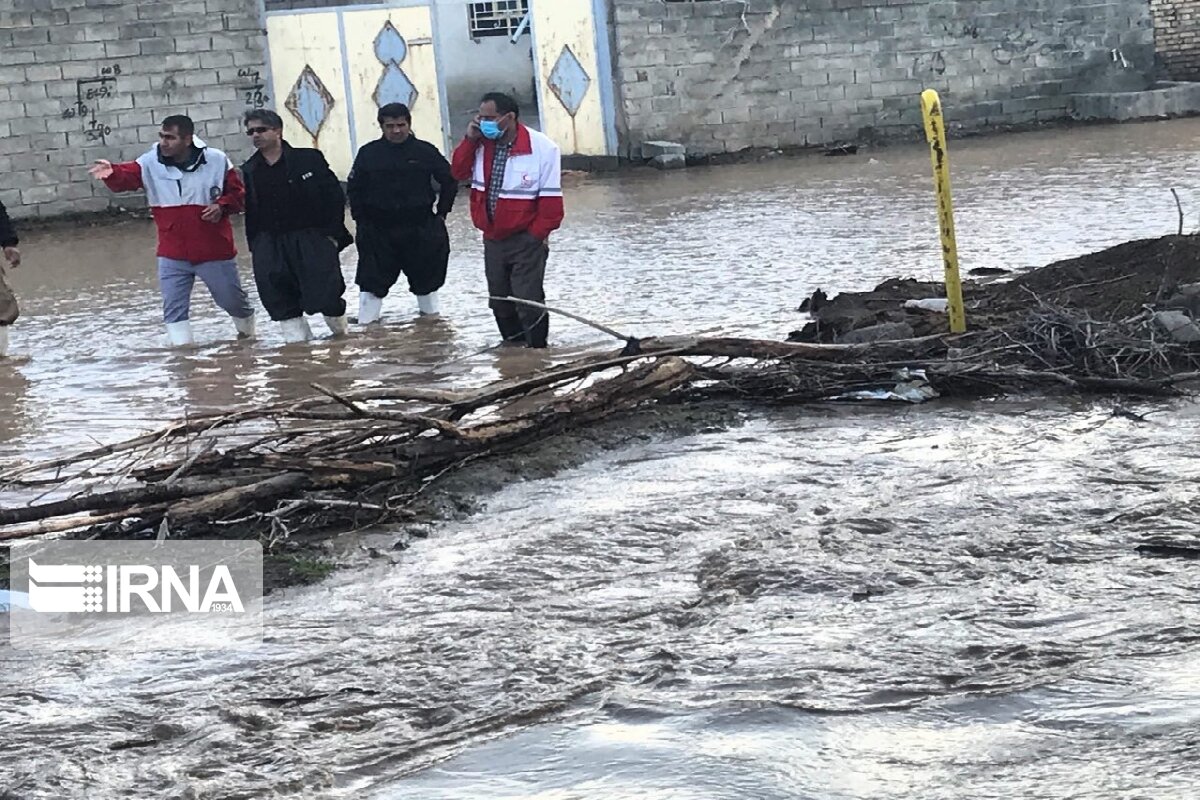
[124,177]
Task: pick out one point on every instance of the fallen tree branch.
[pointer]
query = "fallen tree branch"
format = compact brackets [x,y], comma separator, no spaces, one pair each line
[590,323]
[186,465]
[212,506]
[373,452]
[118,499]
[80,522]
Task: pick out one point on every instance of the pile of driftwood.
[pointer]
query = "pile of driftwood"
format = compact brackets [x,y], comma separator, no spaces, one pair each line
[355,459]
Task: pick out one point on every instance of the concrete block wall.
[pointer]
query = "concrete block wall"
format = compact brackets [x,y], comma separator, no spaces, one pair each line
[726,75]
[88,79]
[1177,37]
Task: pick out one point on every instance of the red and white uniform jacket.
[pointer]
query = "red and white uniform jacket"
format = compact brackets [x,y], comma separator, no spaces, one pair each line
[531,197]
[177,196]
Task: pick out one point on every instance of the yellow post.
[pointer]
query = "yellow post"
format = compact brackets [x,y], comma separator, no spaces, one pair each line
[935,132]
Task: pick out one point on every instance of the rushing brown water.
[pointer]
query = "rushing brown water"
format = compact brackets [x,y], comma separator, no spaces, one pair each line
[936,602]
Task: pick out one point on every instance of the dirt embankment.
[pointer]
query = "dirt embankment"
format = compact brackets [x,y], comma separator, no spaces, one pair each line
[1111,285]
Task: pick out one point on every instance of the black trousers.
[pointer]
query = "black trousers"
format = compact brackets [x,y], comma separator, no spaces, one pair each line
[298,273]
[420,250]
[516,267]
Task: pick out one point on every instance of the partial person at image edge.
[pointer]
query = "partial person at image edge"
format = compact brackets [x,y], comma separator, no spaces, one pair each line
[517,202]
[9,310]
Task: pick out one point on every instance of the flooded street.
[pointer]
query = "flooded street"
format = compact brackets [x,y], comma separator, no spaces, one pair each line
[941,601]
[732,249]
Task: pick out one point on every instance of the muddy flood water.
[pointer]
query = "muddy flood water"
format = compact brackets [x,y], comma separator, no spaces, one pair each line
[825,602]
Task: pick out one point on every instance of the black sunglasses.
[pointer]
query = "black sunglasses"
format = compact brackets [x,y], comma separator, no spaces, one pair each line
[252,131]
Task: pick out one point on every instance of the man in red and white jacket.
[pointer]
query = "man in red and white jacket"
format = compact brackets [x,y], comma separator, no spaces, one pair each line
[192,190]
[516,200]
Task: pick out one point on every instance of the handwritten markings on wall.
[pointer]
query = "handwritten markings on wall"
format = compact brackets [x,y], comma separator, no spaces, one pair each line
[254,92]
[88,94]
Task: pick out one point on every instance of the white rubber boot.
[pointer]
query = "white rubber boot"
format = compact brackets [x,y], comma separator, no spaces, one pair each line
[245,326]
[295,330]
[370,308]
[338,326]
[180,333]
[428,304]
[3,341]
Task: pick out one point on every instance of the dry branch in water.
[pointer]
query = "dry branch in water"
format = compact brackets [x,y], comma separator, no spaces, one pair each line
[351,458]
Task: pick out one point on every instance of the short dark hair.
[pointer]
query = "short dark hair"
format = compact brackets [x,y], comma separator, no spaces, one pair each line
[182,125]
[395,111]
[264,115]
[505,104]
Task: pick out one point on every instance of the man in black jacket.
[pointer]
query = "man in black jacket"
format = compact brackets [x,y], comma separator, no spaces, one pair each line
[9,311]
[295,226]
[392,199]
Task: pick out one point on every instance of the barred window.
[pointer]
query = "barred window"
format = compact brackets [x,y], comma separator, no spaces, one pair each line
[497,17]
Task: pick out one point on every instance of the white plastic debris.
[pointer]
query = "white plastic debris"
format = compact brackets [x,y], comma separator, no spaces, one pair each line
[911,387]
[937,304]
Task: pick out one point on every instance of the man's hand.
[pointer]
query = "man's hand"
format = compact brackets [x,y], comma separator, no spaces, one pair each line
[473,131]
[13,255]
[101,169]
[212,213]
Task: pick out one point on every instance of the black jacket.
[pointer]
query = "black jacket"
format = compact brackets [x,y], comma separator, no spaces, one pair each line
[394,183]
[319,201]
[8,236]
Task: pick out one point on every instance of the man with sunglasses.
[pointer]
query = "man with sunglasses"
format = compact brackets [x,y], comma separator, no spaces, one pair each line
[516,200]
[295,226]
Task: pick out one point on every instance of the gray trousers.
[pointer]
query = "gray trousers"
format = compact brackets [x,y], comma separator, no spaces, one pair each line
[176,279]
[516,267]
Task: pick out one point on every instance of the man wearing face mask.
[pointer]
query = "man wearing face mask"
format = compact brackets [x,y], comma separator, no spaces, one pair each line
[392,198]
[295,225]
[516,201]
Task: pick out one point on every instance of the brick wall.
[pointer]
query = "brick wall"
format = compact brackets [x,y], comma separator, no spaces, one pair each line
[1177,37]
[88,79]
[724,75]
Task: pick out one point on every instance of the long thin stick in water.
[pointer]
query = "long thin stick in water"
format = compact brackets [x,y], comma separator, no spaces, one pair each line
[576,317]
[335,396]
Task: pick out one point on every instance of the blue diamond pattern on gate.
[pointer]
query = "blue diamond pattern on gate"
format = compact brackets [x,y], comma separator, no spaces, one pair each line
[310,102]
[569,80]
[394,86]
